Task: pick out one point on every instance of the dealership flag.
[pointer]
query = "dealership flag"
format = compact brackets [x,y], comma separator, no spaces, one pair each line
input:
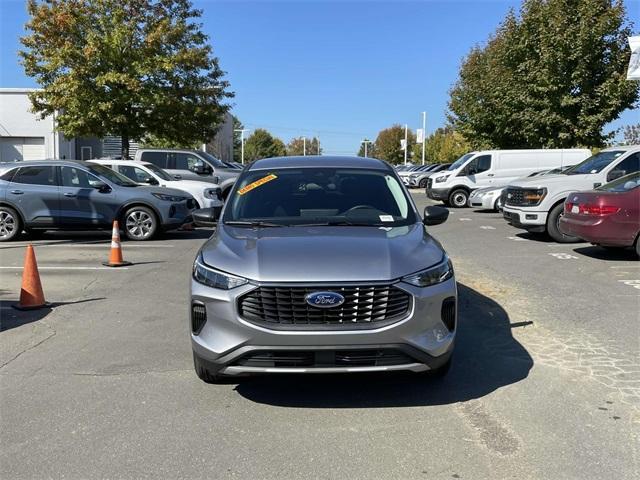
[419,135]
[403,144]
[634,62]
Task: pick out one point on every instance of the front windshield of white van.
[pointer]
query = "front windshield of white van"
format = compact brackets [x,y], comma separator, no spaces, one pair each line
[460,161]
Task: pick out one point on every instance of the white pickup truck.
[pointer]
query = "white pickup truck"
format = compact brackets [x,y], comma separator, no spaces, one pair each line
[537,204]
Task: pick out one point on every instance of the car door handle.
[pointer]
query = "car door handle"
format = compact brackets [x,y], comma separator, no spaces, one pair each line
[17,192]
[490,174]
[69,194]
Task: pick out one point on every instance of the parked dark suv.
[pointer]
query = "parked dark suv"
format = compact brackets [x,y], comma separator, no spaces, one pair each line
[64,195]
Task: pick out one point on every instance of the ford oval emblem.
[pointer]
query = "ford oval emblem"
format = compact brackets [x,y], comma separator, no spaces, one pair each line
[324,299]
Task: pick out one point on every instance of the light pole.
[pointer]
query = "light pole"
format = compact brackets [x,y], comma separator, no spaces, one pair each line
[406,131]
[241,130]
[366,144]
[424,133]
[304,146]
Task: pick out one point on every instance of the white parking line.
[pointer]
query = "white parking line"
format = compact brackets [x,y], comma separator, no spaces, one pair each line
[517,239]
[563,256]
[631,283]
[66,268]
[487,227]
[85,245]
[464,219]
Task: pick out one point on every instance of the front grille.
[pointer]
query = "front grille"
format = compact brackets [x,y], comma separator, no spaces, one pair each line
[448,313]
[198,317]
[325,358]
[515,196]
[286,307]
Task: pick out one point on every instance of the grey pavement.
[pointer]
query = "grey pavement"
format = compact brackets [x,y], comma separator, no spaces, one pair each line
[545,382]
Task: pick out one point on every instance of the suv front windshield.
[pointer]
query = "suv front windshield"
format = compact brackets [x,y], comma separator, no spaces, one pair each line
[110,175]
[319,196]
[622,184]
[595,163]
[213,160]
[159,172]
[460,161]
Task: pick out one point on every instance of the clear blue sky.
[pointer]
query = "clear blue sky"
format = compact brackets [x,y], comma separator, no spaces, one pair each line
[339,70]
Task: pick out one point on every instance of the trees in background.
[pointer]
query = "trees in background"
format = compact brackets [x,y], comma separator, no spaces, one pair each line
[445,145]
[370,150]
[237,139]
[631,134]
[387,144]
[296,146]
[261,144]
[124,67]
[553,76]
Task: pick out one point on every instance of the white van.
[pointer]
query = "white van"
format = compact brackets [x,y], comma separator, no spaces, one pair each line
[495,168]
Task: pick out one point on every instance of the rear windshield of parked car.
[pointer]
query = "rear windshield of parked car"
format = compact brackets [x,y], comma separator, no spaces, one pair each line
[595,163]
[622,184]
[323,196]
[110,175]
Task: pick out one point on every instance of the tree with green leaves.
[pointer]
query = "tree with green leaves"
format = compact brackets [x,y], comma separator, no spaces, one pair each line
[237,139]
[631,134]
[296,146]
[261,144]
[388,144]
[445,145]
[131,68]
[552,76]
[370,150]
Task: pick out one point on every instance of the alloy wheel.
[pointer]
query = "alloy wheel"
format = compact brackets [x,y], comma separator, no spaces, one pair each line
[7,224]
[139,224]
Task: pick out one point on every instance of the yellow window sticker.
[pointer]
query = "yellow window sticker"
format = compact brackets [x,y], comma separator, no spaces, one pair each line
[256,184]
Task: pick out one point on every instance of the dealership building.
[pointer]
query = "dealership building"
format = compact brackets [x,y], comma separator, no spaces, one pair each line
[25,136]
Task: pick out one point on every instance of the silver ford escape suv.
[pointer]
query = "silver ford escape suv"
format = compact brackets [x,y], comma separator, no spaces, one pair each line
[321,265]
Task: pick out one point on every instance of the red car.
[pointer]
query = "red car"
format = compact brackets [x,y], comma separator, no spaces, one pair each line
[608,216]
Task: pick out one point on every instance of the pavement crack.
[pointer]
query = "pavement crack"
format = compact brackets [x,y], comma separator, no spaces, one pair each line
[19,354]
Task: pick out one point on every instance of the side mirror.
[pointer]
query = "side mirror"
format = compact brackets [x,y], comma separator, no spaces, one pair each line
[151,181]
[434,215]
[614,174]
[101,187]
[178,177]
[202,169]
[206,217]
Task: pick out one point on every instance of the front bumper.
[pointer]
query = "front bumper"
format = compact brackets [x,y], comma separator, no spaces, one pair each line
[438,193]
[174,214]
[225,340]
[486,202]
[532,221]
[597,230]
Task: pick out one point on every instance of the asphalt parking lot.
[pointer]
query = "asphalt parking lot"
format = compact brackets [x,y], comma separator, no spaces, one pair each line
[545,382]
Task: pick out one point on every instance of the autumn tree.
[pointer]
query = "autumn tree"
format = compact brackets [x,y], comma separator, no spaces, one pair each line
[261,144]
[296,146]
[445,145]
[552,76]
[131,68]
[388,144]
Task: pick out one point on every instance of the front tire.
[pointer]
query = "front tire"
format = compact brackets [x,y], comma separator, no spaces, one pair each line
[140,223]
[459,198]
[423,183]
[203,372]
[10,224]
[553,226]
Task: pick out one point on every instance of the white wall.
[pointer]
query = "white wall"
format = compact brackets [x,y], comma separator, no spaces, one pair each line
[17,121]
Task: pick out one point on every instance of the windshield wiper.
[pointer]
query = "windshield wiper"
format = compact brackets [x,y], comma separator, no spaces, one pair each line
[334,223]
[251,223]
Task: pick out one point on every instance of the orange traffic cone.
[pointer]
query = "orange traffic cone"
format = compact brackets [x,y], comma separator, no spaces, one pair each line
[31,295]
[115,257]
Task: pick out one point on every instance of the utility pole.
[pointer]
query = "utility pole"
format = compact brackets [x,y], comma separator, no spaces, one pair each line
[242,130]
[318,145]
[406,147]
[424,133]
[366,144]
[304,146]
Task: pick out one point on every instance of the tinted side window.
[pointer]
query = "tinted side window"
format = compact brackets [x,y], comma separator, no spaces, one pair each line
[36,176]
[136,174]
[159,159]
[479,164]
[630,164]
[77,178]
[8,175]
[186,161]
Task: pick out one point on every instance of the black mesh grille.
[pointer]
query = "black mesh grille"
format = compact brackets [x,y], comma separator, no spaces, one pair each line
[448,313]
[515,196]
[198,318]
[286,307]
[325,358]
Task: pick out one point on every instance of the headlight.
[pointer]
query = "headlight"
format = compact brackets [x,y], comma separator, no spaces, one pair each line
[169,198]
[533,197]
[432,275]
[441,179]
[212,194]
[214,278]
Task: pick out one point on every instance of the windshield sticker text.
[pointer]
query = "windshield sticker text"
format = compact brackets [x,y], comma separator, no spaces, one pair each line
[256,184]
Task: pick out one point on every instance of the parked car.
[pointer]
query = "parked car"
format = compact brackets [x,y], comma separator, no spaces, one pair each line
[494,168]
[608,216]
[537,204]
[206,194]
[405,174]
[191,165]
[321,264]
[419,179]
[76,195]
[492,198]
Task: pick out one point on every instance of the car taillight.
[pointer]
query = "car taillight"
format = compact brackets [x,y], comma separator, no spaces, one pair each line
[567,207]
[587,209]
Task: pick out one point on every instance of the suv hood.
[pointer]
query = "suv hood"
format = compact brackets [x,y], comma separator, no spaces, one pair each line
[552,180]
[322,254]
[176,184]
[164,190]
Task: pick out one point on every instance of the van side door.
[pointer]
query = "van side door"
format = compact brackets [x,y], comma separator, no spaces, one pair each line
[479,171]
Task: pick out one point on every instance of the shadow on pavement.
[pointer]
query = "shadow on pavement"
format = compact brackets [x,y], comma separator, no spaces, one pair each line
[12,318]
[610,254]
[487,357]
